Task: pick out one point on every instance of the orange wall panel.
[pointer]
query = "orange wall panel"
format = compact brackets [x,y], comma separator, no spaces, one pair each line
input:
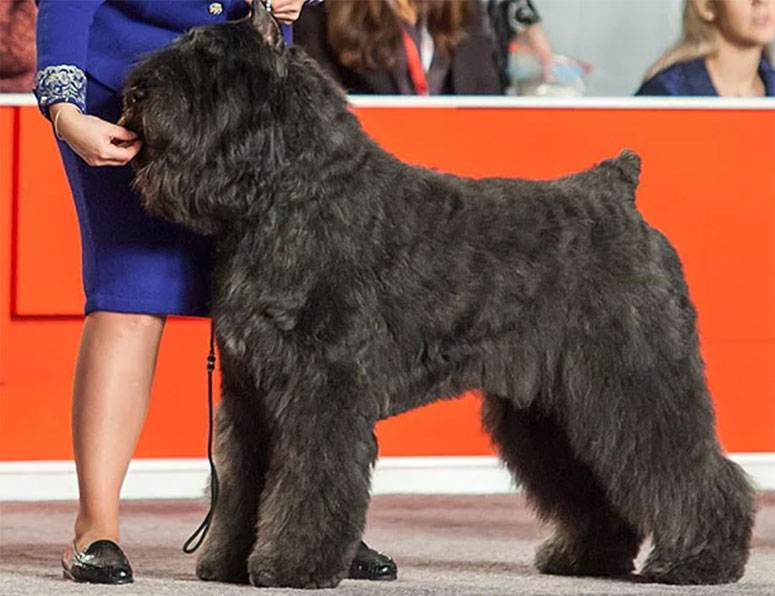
[49,251]
[742,382]
[708,183]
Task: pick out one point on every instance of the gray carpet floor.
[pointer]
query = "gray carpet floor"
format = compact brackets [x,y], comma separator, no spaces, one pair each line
[444,546]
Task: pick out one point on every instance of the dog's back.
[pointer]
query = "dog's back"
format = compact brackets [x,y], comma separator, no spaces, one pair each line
[518,241]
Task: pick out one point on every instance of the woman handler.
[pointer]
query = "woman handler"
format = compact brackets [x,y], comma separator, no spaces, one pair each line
[136,269]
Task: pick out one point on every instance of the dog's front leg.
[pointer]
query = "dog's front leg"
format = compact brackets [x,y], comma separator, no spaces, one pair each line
[313,508]
[241,466]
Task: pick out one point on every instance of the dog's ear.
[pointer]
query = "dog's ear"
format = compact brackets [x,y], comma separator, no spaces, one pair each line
[267,25]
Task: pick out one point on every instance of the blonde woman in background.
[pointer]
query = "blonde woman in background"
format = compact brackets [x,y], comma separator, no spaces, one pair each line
[725,51]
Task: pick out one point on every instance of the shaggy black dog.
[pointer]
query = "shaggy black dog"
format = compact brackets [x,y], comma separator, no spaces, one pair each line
[350,287]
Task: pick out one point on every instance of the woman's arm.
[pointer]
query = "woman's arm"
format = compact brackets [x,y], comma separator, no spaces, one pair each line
[535,36]
[62,36]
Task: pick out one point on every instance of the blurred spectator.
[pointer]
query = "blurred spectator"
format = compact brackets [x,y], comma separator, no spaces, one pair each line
[724,51]
[518,21]
[17,45]
[402,46]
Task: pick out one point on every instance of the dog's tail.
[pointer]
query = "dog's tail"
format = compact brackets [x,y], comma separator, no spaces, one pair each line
[625,168]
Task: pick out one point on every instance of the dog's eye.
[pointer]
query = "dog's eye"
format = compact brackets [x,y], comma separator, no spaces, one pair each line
[135,95]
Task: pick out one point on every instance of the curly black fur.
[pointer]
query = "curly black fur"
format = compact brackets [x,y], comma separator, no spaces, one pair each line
[351,287]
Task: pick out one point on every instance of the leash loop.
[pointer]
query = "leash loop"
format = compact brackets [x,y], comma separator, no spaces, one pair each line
[195,540]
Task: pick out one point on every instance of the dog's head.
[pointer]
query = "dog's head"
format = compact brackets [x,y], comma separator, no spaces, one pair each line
[212,110]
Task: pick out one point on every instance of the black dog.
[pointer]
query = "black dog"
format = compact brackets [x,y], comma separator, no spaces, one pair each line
[350,287]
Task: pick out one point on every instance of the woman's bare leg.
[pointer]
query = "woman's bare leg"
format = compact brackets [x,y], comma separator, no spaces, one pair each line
[113,376]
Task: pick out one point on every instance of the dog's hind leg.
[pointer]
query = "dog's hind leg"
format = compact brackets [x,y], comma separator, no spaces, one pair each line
[647,433]
[313,509]
[590,537]
[702,535]
[238,458]
[699,504]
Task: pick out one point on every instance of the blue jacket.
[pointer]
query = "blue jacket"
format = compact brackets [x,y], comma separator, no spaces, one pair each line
[692,78]
[101,39]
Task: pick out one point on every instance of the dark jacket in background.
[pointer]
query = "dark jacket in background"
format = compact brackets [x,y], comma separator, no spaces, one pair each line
[472,70]
[692,79]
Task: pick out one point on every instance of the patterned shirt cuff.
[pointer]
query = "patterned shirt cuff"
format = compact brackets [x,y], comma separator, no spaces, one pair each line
[62,82]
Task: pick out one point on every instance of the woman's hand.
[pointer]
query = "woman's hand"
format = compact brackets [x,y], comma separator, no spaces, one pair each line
[287,11]
[537,39]
[99,143]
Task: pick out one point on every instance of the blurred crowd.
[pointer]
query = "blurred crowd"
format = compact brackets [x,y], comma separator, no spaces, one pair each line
[424,47]
[430,47]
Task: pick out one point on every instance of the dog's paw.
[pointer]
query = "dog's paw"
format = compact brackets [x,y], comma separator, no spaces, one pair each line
[222,570]
[266,578]
[324,582]
[701,569]
[557,557]
[263,578]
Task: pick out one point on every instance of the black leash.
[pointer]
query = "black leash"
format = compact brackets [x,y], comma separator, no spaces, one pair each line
[199,534]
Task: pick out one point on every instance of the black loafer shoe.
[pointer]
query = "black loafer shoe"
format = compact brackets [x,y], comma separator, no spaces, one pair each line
[370,564]
[102,562]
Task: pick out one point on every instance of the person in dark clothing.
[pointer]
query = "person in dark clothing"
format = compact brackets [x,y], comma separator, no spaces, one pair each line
[402,47]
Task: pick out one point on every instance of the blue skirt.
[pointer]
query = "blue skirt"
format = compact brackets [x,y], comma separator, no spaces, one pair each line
[132,262]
